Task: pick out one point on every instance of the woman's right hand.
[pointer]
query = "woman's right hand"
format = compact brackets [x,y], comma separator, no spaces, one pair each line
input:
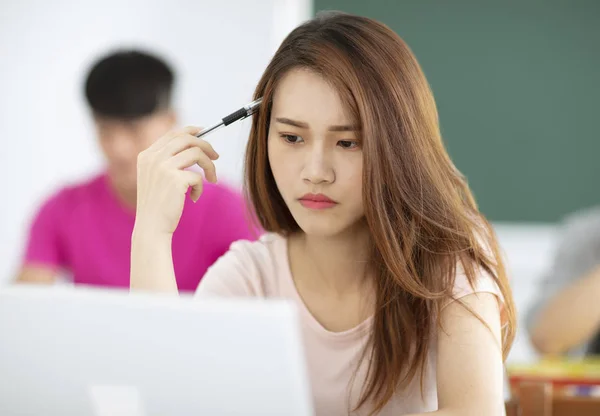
[163,181]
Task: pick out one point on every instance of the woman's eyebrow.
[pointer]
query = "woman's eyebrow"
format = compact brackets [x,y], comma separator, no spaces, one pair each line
[304,125]
[290,122]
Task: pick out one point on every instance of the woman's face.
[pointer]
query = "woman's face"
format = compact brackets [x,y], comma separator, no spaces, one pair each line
[315,154]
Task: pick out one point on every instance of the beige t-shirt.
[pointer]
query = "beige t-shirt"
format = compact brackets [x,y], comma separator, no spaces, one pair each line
[261,269]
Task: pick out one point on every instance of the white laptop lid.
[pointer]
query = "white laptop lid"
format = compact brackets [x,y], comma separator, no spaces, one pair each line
[74,351]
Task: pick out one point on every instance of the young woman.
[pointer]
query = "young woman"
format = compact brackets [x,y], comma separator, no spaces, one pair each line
[371,230]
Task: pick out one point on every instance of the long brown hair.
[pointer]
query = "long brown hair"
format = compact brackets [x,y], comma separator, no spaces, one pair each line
[422,217]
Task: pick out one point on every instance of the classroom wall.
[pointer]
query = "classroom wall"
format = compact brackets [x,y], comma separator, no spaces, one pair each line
[219,49]
[517,84]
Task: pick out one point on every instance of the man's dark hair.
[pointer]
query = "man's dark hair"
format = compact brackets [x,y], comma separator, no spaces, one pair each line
[129,84]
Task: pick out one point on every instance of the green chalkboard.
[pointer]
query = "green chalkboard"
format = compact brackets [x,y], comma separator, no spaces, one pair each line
[517,84]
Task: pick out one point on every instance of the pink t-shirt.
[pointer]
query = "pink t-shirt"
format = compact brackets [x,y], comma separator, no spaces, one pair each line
[86,231]
[261,269]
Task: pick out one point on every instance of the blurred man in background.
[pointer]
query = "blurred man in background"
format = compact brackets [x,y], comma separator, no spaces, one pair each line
[566,315]
[85,229]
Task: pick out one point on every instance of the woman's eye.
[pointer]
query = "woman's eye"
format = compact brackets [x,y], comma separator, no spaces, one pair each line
[348,144]
[291,138]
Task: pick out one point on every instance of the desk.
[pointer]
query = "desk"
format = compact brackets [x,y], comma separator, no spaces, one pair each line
[568,377]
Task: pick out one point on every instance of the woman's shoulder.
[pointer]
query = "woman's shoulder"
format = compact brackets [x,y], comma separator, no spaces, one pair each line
[266,246]
[248,268]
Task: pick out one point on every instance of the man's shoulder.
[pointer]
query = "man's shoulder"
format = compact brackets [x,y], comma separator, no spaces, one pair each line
[580,235]
[73,193]
[221,191]
[220,199]
[224,211]
[587,219]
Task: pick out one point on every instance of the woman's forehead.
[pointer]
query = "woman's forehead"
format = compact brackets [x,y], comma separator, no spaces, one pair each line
[306,96]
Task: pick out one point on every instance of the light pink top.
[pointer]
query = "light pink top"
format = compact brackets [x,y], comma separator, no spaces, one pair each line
[261,269]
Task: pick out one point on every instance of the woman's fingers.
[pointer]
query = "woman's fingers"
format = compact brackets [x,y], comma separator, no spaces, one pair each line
[167,138]
[192,156]
[193,180]
[185,141]
[163,180]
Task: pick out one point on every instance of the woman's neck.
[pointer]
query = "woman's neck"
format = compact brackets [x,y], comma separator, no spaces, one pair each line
[337,264]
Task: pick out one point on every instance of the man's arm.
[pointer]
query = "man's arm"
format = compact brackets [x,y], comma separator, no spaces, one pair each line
[570,318]
[566,314]
[44,254]
[37,274]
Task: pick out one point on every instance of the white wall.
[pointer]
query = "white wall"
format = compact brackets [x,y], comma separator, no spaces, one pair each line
[219,49]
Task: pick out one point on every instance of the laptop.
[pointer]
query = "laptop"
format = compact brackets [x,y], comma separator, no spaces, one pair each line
[83,351]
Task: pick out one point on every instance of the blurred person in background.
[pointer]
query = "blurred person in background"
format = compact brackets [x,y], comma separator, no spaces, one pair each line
[565,318]
[85,228]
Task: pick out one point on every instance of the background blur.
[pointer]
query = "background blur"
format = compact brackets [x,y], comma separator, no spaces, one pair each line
[516,82]
[218,49]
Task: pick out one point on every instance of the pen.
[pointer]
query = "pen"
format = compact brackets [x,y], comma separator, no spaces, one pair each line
[240,114]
